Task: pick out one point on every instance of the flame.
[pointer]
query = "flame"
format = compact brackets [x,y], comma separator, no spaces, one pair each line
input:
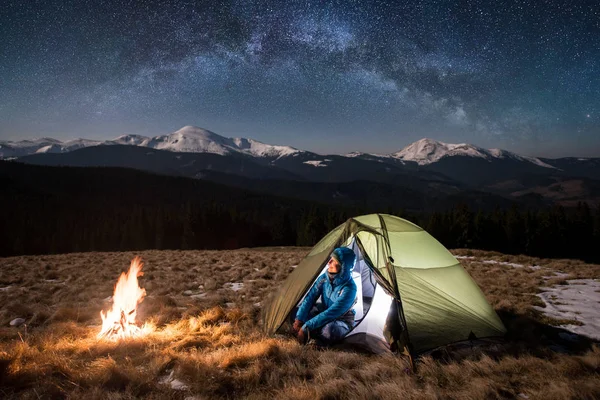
[119,321]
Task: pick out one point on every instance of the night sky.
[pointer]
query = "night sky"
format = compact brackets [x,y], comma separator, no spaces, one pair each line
[326,76]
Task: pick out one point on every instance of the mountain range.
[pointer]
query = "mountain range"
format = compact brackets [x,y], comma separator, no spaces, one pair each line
[426,171]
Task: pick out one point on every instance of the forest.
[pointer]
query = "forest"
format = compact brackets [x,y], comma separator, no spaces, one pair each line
[52,210]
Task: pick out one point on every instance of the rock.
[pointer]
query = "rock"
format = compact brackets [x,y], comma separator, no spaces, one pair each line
[17,322]
[173,382]
[568,337]
[187,293]
[210,284]
[235,286]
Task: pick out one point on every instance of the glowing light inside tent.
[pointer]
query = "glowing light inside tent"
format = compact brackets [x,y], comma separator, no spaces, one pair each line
[119,322]
[379,310]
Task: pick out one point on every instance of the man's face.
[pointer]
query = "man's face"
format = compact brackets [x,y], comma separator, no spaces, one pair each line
[333,266]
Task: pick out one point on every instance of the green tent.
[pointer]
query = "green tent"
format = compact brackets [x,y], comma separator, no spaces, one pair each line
[413,295]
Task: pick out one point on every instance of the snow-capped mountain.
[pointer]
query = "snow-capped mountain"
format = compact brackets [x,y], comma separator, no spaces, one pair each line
[428,151]
[426,166]
[132,140]
[25,147]
[79,144]
[189,139]
[43,145]
[382,158]
[463,162]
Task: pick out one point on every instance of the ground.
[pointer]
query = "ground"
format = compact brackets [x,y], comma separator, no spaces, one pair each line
[205,307]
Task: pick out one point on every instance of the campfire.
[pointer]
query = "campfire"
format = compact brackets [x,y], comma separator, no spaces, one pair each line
[119,322]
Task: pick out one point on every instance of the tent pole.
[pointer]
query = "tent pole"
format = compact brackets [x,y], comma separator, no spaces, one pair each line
[400,308]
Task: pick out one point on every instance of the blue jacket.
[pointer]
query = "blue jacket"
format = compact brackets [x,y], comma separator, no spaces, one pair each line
[337,296]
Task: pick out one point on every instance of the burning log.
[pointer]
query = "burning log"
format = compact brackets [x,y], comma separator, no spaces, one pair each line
[122,328]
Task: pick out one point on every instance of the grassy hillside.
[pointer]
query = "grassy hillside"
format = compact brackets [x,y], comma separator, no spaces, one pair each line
[207,342]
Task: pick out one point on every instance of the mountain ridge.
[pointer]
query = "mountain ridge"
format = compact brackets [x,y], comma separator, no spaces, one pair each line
[427,151]
[425,165]
[198,140]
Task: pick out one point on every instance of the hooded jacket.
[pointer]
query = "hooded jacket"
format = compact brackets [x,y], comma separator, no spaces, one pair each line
[338,296]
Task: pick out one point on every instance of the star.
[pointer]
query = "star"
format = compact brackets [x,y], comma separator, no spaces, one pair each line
[315,75]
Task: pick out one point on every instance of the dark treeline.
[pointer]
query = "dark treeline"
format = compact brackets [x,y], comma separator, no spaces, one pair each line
[47,210]
[555,232]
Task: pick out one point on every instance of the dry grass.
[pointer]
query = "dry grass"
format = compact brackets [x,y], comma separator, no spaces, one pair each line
[207,338]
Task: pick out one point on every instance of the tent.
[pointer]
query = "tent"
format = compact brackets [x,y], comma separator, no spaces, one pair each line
[413,294]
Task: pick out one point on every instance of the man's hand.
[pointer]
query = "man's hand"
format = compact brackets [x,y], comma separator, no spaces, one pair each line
[302,336]
[297,325]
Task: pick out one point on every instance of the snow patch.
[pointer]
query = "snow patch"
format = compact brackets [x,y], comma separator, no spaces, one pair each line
[354,154]
[131,140]
[259,149]
[316,163]
[579,300]
[235,286]
[556,275]
[176,384]
[51,148]
[79,144]
[513,265]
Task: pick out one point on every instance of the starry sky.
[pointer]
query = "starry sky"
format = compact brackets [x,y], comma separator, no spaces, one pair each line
[325,76]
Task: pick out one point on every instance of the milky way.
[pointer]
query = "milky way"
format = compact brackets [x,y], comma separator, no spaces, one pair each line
[324,76]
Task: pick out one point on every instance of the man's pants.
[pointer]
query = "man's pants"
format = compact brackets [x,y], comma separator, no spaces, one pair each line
[329,333]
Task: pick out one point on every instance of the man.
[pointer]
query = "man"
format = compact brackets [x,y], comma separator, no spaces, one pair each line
[333,319]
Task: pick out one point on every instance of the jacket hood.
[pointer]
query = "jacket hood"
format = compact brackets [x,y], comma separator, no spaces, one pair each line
[347,259]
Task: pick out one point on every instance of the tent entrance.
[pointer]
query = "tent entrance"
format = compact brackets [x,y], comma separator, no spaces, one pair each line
[372,305]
